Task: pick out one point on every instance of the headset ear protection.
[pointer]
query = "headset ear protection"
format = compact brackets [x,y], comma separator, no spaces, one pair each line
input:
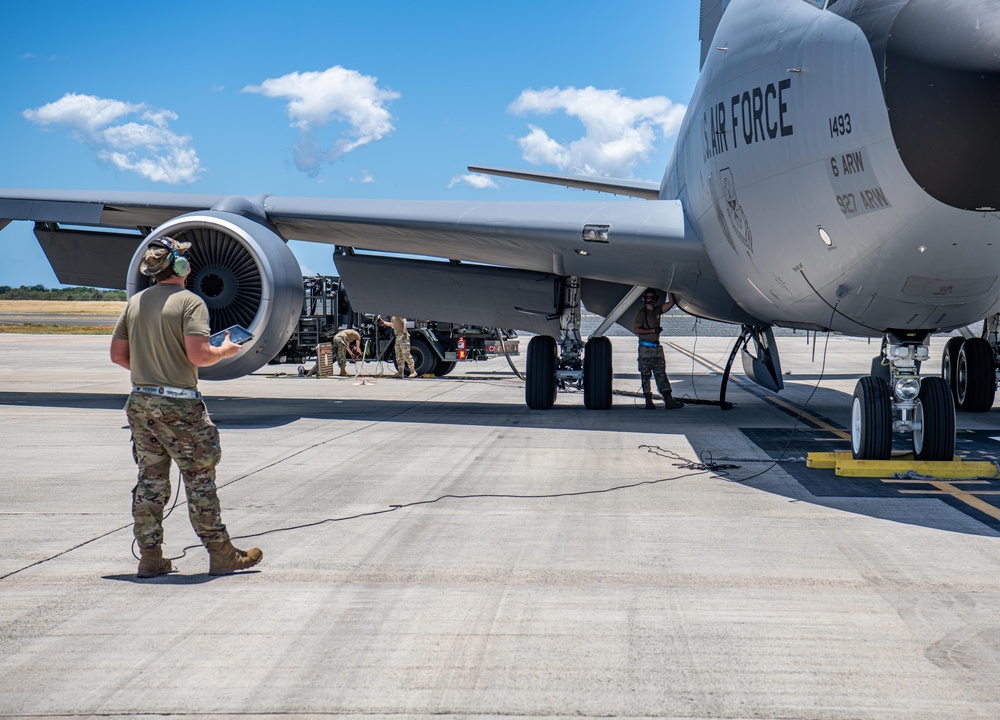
[179,264]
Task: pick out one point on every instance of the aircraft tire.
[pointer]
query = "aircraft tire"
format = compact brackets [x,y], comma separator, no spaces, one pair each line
[976,384]
[597,374]
[934,415]
[540,373]
[871,420]
[949,365]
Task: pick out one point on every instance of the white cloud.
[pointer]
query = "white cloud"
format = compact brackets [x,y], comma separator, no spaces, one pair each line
[337,94]
[366,178]
[147,148]
[175,166]
[619,132]
[476,180]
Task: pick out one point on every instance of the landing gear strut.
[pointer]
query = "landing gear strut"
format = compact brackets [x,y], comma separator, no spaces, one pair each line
[903,402]
[552,367]
[762,365]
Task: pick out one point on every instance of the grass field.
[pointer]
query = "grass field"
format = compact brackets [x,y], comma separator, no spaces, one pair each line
[76,316]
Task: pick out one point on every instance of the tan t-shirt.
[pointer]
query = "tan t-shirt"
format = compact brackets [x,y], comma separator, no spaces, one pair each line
[349,336]
[155,322]
[399,326]
[649,322]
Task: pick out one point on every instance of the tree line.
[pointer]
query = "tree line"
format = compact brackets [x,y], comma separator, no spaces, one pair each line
[40,292]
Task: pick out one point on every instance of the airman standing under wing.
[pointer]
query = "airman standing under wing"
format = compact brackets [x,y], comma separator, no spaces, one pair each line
[651,361]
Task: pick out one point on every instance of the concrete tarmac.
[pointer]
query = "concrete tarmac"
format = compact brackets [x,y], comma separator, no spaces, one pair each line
[434,548]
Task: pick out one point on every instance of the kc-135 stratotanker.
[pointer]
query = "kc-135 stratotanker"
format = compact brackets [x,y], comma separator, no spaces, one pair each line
[838,168]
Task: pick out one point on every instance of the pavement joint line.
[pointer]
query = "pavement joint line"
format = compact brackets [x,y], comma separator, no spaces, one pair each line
[974,481]
[234,480]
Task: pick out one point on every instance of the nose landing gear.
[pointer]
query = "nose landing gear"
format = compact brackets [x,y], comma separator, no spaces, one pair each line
[902,401]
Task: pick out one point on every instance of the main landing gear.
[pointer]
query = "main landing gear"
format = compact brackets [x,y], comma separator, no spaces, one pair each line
[894,398]
[969,368]
[551,367]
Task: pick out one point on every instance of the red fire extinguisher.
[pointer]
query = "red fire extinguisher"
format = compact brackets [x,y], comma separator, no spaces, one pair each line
[461,348]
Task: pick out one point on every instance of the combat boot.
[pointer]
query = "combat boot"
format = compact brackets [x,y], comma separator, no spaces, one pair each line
[343,372]
[649,401]
[670,404]
[397,374]
[152,562]
[224,559]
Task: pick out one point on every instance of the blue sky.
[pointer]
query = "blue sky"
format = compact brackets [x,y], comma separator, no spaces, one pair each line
[335,99]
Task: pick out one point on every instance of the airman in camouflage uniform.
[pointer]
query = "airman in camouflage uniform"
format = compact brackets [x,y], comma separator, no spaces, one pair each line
[651,361]
[347,342]
[402,345]
[162,338]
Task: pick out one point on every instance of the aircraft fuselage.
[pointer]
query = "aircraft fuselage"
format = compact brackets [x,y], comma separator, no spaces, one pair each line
[789,170]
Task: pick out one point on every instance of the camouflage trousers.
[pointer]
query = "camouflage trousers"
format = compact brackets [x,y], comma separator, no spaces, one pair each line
[652,363]
[340,345]
[177,429]
[403,358]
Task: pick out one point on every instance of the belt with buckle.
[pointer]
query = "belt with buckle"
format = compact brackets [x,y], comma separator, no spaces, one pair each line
[171,392]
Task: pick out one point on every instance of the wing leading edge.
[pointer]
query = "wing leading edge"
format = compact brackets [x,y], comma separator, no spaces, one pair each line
[642,189]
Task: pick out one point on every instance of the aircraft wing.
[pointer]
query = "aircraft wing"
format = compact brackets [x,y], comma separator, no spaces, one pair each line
[493,264]
[618,241]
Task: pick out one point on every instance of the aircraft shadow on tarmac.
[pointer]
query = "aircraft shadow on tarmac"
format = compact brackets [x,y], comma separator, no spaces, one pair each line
[885,498]
[255,413]
[174,578]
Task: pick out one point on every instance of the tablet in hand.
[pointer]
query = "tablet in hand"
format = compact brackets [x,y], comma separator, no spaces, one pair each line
[237,333]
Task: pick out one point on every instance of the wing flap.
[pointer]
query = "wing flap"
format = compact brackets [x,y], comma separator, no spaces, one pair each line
[93,258]
[468,294]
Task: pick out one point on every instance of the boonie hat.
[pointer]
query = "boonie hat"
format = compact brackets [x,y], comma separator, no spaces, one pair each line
[158,257]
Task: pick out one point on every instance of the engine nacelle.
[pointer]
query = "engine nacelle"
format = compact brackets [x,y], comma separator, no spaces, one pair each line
[246,275]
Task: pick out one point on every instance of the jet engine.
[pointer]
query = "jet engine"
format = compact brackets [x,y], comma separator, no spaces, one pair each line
[247,276]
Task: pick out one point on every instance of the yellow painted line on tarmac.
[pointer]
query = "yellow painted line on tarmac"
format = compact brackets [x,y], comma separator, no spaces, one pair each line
[968,498]
[948,492]
[846,466]
[842,434]
[699,359]
[973,470]
[901,464]
[794,409]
